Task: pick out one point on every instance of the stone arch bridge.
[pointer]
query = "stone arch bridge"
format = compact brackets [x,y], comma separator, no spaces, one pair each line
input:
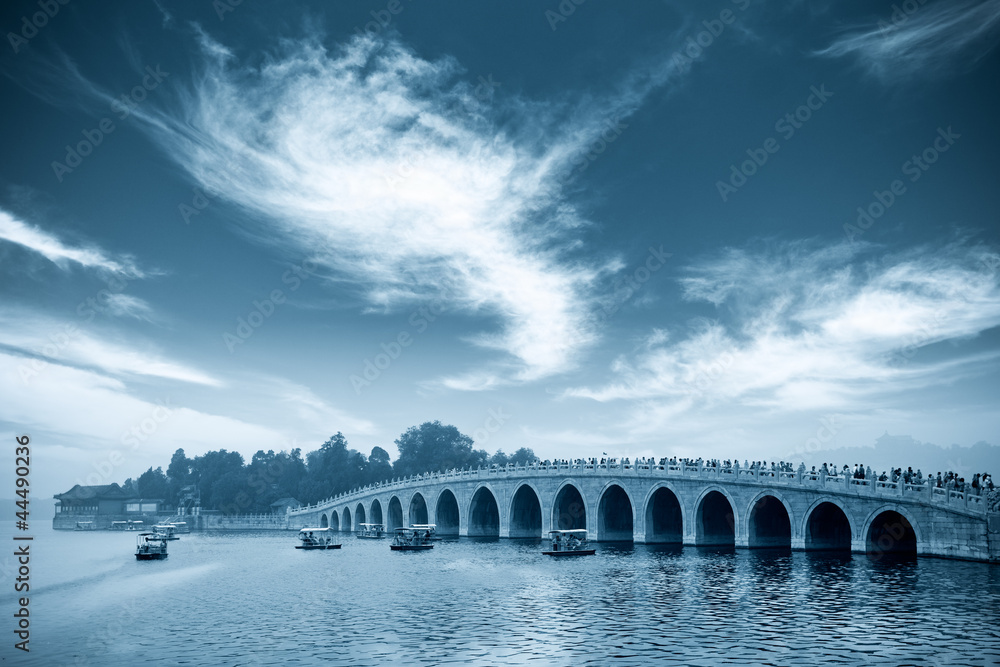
[680,504]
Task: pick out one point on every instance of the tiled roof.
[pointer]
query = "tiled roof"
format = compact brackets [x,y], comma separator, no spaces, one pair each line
[102,492]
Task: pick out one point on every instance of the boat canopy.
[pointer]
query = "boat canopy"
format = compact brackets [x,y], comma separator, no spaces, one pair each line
[314,530]
[422,526]
[575,531]
[370,525]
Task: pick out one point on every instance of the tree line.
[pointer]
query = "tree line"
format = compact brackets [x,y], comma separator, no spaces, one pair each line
[222,480]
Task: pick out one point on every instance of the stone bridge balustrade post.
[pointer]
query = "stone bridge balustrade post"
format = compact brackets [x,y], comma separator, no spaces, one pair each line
[993,525]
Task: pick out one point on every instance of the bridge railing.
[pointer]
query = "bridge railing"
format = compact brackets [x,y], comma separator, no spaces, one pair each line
[834,481]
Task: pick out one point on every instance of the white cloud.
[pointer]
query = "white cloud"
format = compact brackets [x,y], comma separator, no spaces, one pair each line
[387,168]
[805,328]
[928,40]
[88,426]
[47,342]
[49,246]
[126,305]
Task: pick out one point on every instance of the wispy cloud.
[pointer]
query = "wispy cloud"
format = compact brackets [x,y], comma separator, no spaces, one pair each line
[802,327]
[390,170]
[58,342]
[52,248]
[933,39]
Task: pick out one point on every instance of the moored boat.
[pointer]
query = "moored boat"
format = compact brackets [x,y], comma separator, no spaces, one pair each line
[166,530]
[414,538]
[316,538]
[124,525]
[569,543]
[371,531]
[150,546]
[180,527]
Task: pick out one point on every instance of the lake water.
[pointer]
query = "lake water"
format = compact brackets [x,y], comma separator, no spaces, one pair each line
[252,599]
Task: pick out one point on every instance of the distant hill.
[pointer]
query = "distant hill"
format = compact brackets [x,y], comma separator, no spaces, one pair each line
[894,451]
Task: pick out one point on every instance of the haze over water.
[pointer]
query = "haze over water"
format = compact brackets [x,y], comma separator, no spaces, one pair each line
[252,599]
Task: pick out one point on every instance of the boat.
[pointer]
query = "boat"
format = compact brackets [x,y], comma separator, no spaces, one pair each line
[180,527]
[414,538]
[85,525]
[166,530]
[150,546]
[371,531]
[122,525]
[427,528]
[569,543]
[316,538]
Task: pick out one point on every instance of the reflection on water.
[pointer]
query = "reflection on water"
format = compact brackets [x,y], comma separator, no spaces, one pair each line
[252,599]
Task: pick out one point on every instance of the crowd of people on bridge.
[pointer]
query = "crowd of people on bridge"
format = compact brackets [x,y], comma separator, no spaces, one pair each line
[980,484]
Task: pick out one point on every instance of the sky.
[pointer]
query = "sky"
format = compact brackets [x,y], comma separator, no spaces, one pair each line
[734,229]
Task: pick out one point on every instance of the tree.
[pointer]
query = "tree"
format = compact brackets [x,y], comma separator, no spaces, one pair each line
[433,446]
[178,475]
[499,459]
[379,466]
[208,469]
[152,484]
[522,456]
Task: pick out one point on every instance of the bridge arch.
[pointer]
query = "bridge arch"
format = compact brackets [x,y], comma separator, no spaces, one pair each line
[664,515]
[715,517]
[525,512]
[828,526]
[395,514]
[376,511]
[569,507]
[890,529]
[334,520]
[359,516]
[417,512]
[769,521]
[446,513]
[323,521]
[346,525]
[615,514]
[484,513]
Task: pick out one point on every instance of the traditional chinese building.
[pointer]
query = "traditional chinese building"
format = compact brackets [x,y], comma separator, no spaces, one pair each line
[101,505]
